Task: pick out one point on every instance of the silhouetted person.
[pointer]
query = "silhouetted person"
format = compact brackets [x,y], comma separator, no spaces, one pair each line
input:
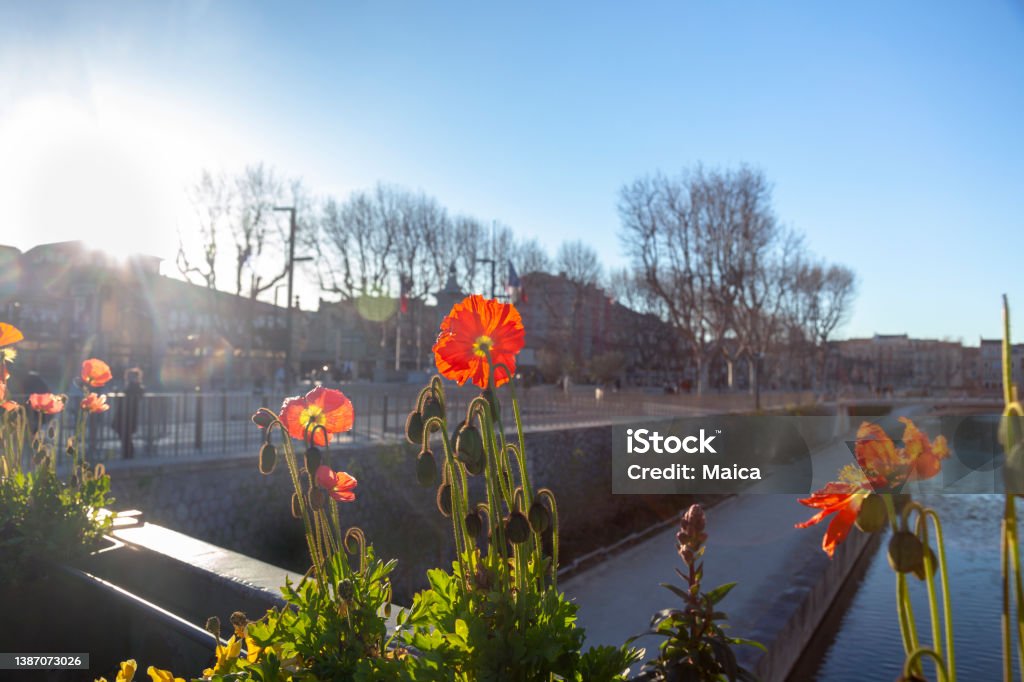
[126,420]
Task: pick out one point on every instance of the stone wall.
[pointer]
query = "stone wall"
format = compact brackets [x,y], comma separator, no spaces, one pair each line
[226,501]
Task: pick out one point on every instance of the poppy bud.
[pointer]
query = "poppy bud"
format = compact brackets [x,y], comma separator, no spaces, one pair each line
[238,620]
[346,590]
[872,515]
[426,468]
[213,626]
[517,528]
[444,499]
[313,459]
[906,553]
[455,434]
[71,449]
[469,448]
[317,498]
[540,517]
[296,509]
[931,560]
[414,428]
[474,523]
[431,408]
[263,418]
[268,458]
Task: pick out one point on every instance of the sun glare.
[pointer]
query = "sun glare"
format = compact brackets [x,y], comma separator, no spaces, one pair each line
[103,171]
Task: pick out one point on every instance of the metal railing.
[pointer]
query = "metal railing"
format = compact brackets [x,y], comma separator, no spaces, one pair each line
[185,424]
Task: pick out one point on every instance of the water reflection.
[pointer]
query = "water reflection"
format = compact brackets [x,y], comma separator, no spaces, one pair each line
[867,645]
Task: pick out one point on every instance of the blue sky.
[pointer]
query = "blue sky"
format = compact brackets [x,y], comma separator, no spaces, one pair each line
[891,131]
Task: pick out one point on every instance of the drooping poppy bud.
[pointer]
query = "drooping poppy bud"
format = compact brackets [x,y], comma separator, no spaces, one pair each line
[346,590]
[317,498]
[426,468]
[263,418]
[906,553]
[213,626]
[872,516]
[414,428]
[444,499]
[474,523]
[455,434]
[313,459]
[539,516]
[517,528]
[268,458]
[469,448]
[431,408]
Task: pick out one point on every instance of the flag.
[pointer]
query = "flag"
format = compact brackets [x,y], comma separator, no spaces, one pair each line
[405,284]
[514,285]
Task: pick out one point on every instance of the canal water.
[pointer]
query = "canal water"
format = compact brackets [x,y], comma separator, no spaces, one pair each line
[863,643]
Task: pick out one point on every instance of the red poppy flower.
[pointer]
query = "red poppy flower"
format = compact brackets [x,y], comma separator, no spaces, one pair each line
[475,326]
[840,498]
[9,334]
[95,403]
[9,406]
[924,457]
[324,407]
[338,484]
[47,403]
[95,373]
[886,467]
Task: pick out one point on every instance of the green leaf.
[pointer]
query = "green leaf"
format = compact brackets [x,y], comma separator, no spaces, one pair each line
[716,595]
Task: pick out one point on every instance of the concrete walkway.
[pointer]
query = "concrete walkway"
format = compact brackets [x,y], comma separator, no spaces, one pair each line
[752,541]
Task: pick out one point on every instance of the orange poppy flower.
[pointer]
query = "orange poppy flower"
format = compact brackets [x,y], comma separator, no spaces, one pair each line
[95,403]
[475,326]
[840,498]
[338,484]
[324,407]
[924,457]
[47,403]
[95,373]
[886,467]
[9,334]
[9,406]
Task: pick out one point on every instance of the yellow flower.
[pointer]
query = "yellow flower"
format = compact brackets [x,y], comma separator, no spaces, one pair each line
[252,649]
[127,672]
[227,655]
[158,675]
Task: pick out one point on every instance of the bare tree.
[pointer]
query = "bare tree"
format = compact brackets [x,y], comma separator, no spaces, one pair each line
[823,297]
[530,256]
[579,262]
[690,240]
[239,210]
[211,198]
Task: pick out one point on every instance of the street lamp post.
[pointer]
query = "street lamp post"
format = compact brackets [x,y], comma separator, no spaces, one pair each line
[492,262]
[288,376]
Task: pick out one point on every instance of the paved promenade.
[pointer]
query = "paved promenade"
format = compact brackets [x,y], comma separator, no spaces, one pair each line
[751,541]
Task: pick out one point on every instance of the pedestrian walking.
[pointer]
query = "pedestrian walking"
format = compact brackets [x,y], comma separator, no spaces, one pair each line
[126,418]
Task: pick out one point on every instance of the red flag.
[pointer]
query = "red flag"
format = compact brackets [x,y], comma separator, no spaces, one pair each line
[403,302]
